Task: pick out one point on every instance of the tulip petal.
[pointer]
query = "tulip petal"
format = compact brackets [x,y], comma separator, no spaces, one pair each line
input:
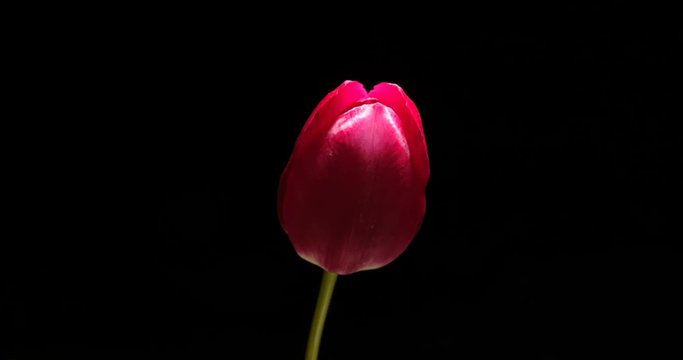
[319,122]
[327,111]
[393,96]
[354,203]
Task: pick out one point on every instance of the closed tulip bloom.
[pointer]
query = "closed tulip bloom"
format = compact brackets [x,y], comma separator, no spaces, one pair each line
[352,196]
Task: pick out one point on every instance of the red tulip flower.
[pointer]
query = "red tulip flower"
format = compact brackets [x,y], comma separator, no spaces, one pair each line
[352,196]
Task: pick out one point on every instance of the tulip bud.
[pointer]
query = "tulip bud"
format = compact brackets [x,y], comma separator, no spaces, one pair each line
[352,196]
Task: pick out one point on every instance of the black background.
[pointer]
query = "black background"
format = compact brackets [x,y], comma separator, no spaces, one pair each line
[152,229]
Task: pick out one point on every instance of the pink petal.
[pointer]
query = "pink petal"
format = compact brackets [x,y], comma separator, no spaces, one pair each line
[327,111]
[393,96]
[319,122]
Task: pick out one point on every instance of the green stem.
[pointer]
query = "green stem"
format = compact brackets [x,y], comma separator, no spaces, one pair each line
[324,297]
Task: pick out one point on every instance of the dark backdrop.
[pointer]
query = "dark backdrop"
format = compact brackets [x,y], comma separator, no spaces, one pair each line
[549,231]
